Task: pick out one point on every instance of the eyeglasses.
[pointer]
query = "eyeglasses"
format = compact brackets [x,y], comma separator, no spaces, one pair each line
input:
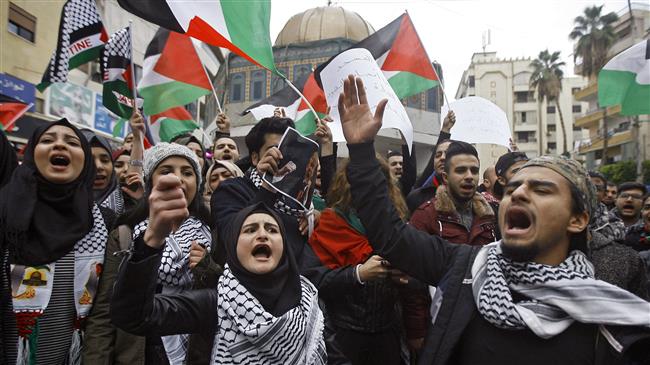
[626,196]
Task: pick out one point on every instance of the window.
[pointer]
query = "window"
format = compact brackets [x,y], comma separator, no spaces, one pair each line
[470,80]
[237,86]
[576,108]
[258,85]
[574,90]
[550,109]
[277,83]
[577,129]
[433,102]
[550,128]
[21,23]
[522,137]
[523,117]
[301,73]
[39,106]
[551,145]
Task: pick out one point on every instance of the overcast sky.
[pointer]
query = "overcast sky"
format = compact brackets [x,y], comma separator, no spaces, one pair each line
[451,30]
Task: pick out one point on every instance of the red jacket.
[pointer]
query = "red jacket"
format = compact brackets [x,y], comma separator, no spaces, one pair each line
[439,217]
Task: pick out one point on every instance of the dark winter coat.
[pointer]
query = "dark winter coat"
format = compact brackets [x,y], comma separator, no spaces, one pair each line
[430,259]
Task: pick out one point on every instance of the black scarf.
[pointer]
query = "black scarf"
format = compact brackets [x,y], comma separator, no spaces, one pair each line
[8,160]
[277,291]
[99,141]
[41,221]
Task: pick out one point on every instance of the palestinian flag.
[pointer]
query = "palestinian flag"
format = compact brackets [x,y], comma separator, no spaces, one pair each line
[295,107]
[11,110]
[116,70]
[401,56]
[625,80]
[173,74]
[171,123]
[398,52]
[81,37]
[240,26]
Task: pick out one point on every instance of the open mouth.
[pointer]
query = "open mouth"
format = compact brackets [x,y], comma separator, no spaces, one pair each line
[262,251]
[518,221]
[467,186]
[59,160]
[628,207]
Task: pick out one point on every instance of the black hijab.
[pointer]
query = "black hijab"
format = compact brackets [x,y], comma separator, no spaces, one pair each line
[99,141]
[278,291]
[8,160]
[41,221]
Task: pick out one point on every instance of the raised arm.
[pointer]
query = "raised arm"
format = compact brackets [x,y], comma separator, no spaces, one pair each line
[137,309]
[416,253]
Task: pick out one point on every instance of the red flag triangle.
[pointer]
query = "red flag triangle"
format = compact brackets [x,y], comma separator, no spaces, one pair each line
[179,47]
[408,54]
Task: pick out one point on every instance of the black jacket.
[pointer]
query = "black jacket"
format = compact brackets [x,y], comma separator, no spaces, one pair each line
[137,309]
[430,259]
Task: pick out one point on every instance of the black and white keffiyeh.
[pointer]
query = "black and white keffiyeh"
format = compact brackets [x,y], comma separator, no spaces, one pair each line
[558,295]
[115,201]
[247,334]
[174,272]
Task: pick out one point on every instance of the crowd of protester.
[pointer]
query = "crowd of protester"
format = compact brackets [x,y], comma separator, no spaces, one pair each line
[181,254]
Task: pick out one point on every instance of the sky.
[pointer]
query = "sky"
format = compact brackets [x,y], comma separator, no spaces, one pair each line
[451,30]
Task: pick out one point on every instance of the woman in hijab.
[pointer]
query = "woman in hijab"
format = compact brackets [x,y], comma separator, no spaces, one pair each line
[105,183]
[53,238]
[174,274]
[262,310]
[219,171]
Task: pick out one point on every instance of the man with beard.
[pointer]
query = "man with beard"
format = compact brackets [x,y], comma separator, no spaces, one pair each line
[458,213]
[610,196]
[530,298]
[629,201]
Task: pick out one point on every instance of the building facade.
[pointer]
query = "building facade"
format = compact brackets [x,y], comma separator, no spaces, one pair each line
[307,40]
[535,124]
[27,42]
[622,137]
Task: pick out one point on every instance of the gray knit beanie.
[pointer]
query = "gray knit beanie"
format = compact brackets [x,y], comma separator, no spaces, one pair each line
[156,154]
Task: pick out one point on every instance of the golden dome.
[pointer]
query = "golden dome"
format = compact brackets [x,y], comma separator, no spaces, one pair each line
[324,23]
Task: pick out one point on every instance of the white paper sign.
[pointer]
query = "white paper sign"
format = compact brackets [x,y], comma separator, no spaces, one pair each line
[479,120]
[359,62]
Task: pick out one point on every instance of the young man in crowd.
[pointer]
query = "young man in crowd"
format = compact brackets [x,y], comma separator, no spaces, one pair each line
[629,201]
[395,163]
[457,213]
[521,300]
[610,196]
[426,185]
[506,167]
[224,147]
[603,220]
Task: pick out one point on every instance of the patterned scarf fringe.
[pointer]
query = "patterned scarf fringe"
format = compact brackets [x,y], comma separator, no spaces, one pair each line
[27,325]
[74,357]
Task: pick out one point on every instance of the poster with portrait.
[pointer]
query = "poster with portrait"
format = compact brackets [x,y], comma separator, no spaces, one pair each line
[73,102]
[296,175]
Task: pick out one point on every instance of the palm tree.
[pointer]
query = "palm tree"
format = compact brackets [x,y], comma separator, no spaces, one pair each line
[595,35]
[547,81]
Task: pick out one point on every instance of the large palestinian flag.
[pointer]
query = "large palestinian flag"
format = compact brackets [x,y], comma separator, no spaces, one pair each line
[240,26]
[172,73]
[171,123]
[116,70]
[625,80]
[400,55]
[295,107]
[81,37]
